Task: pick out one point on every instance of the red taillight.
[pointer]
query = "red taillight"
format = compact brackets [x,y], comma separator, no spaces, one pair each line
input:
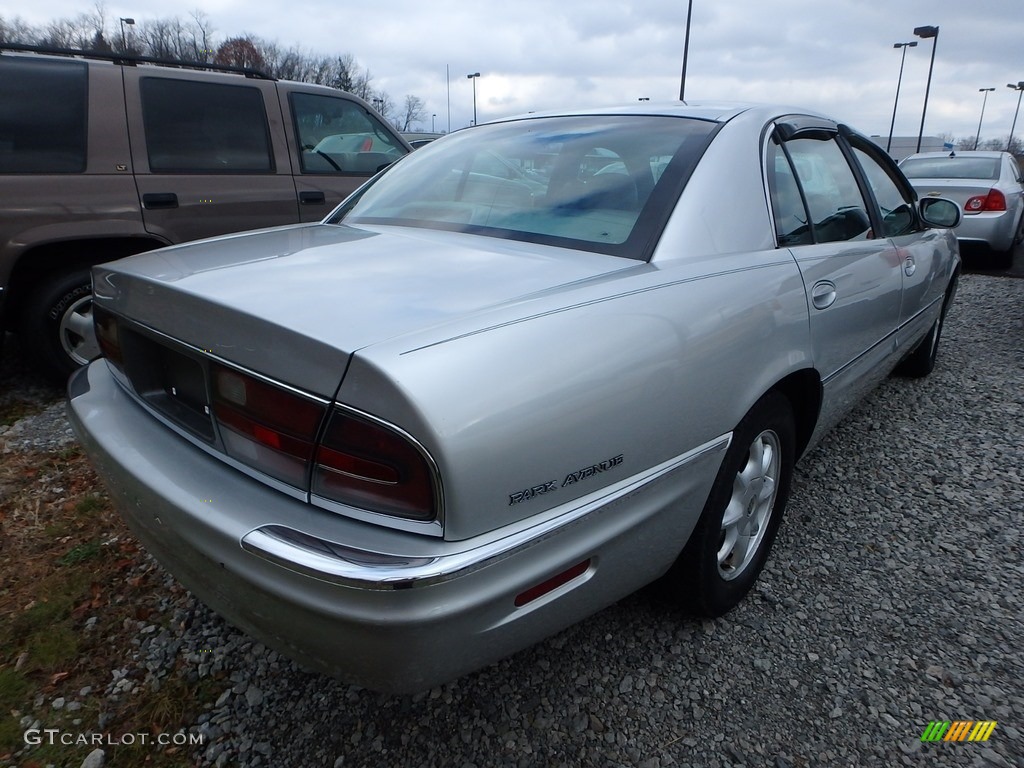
[266,427]
[993,201]
[107,335]
[367,145]
[367,465]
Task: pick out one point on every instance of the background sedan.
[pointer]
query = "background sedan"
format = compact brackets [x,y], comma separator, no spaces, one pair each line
[988,187]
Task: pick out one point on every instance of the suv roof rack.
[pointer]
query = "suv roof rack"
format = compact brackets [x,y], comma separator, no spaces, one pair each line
[131,59]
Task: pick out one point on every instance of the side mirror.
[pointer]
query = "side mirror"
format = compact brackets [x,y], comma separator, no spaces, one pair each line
[939,212]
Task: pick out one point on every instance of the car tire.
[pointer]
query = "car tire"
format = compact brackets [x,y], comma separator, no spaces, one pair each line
[730,544]
[921,361]
[56,324]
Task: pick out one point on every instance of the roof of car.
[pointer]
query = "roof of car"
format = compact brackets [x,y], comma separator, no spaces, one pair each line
[717,111]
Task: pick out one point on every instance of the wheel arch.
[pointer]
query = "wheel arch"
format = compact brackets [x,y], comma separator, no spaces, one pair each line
[47,260]
[803,390]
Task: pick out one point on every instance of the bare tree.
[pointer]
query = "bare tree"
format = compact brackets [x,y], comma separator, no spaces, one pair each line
[413,111]
[17,31]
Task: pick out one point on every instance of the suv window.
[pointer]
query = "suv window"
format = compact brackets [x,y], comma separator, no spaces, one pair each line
[837,208]
[340,136]
[897,211]
[204,127]
[43,119]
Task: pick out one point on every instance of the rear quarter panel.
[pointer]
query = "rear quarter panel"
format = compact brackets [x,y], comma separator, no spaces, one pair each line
[630,371]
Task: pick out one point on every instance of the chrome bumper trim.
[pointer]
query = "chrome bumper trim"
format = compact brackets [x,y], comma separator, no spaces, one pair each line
[362,569]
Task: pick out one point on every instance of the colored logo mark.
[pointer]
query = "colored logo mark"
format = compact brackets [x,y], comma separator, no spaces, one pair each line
[958,730]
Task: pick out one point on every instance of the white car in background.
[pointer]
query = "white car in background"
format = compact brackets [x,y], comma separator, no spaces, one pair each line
[988,187]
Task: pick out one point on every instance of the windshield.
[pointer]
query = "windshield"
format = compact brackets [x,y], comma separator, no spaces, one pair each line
[604,183]
[951,168]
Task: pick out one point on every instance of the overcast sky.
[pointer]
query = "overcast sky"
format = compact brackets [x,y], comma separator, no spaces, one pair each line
[835,56]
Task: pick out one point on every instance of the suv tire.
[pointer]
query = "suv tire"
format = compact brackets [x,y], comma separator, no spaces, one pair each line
[56,324]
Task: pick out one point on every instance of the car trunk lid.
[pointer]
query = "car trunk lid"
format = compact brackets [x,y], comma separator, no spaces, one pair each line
[294,303]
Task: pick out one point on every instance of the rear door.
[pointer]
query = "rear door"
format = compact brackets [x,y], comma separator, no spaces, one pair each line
[209,155]
[336,142]
[852,278]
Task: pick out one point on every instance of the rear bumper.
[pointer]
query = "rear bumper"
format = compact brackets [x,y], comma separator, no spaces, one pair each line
[996,229]
[388,610]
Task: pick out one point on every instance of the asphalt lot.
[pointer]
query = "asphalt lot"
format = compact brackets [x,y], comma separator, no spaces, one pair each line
[893,598]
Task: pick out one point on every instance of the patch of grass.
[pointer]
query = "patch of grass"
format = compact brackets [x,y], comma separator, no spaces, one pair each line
[81,553]
[53,649]
[89,504]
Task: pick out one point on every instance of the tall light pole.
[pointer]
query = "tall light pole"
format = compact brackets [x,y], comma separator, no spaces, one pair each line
[433,117]
[473,77]
[983,100]
[899,82]
[924,33]
[1019,87]
[130,23]
[686,51]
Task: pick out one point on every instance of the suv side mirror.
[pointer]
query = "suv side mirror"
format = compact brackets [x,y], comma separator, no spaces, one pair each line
[939,212]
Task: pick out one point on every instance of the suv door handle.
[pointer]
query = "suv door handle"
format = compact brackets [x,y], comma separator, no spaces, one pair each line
[312,198]
[156,200]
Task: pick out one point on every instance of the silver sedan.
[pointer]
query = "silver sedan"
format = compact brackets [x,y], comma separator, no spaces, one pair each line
[987,185]
[475,404]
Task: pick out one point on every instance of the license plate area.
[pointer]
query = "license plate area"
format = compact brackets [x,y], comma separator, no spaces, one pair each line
[171,382]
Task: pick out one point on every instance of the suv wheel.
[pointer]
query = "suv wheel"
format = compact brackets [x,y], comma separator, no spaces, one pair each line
[56,324]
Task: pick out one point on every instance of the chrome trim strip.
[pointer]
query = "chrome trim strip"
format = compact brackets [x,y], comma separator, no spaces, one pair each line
[363,569]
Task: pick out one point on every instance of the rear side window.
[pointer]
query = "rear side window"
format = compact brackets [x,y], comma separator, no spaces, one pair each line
[340,136]
[205,127]
[837,208]
[42,116]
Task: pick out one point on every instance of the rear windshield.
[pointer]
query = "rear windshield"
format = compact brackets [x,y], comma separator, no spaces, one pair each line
[603,184]
[951,168]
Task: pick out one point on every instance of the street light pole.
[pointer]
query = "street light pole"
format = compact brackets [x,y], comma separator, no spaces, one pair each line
[473,77]
[924,33]
[983,100]
[686,51]
[130,23]
[1019,87]
[433,117]
[899,82]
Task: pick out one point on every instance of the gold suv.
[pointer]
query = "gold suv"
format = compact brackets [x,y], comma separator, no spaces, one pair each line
[104,155]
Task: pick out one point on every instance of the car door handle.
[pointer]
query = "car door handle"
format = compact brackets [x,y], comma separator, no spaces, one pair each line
[312,198]
[823,294]
[157,200]
[909,267]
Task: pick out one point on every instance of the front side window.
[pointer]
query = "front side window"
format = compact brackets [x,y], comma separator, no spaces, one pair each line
[194,127]
[341,137]
[42,116]
[897,210]
[605,185]
[834,201]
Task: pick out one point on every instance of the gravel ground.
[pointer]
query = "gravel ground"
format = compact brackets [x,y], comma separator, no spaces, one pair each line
[893,597]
